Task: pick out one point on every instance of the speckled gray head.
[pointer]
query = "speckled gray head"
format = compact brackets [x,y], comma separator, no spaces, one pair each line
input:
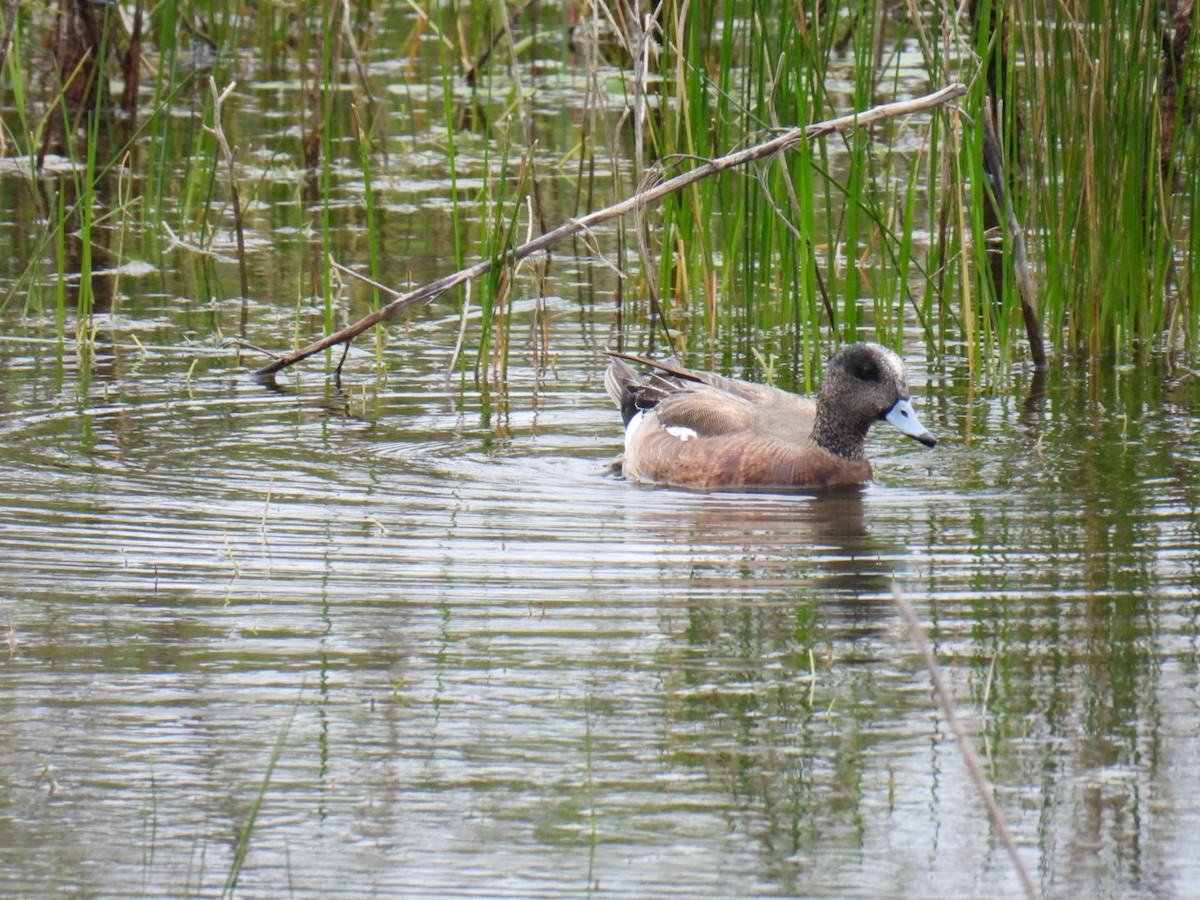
[864,383]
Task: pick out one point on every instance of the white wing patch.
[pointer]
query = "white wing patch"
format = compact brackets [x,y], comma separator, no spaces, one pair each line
[638,422]
[680,431]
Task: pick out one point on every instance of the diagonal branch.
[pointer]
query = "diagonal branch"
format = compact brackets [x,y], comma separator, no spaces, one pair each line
[781,142]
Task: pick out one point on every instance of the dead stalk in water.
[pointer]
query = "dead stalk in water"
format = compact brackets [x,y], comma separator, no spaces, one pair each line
[993,153]
[218,131]
[765,150]
[237,570]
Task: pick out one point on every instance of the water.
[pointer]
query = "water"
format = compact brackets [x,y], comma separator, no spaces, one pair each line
[493,668]
[406,635]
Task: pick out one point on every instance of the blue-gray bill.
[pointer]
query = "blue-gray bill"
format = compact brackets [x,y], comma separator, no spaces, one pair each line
[905,418]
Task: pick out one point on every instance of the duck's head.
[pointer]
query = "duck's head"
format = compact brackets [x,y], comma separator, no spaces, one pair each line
[864,384]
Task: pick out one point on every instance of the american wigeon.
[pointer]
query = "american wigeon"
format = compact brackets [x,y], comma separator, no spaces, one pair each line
[702,430]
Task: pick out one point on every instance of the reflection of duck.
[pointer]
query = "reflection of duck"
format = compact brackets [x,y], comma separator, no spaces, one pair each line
[702,430]
[724,552]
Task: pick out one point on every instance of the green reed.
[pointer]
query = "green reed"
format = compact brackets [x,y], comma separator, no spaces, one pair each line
[880,234]
[59,234]
[1107,184]
[881,239]
[798,247]
[229,888]
[328,91]
[456,217]
[161,147]
[15,75]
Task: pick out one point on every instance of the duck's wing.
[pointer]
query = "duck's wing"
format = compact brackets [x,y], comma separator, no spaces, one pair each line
[702,402]
[706,410]
[705,402]
[682,377]
[725,405]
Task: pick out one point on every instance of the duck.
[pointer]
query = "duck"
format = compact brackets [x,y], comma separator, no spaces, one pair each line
[704,431]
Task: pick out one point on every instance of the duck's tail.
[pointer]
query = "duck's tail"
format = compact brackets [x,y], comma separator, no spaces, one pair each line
[632,391]
[623,384]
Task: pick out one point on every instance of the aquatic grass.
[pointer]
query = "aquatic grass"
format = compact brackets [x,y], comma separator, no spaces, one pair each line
[846,237]
[503,225]
[371,216]
[1104,182]
[765,72]
[228,155]
[85,302]
[66,210]
[446,76]
[164,22]
[198,190]
[14,70]
[764,150]
[326,92]
[60,258]
[372,219]
[149,823]
[229,888]
[501,213]
[959,305]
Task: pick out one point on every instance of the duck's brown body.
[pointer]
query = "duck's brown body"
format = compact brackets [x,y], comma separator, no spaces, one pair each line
[738,461]
[705,431]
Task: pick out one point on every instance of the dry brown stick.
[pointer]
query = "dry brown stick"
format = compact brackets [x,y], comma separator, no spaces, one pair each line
[970,757]
[784,141]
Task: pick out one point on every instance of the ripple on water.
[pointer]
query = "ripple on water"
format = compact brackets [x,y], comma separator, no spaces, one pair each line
[499,658]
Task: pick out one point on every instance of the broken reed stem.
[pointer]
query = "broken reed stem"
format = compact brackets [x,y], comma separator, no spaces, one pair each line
[218,131]
[10,23]
[993,154]
[970,757]
[781,142]
[471,72]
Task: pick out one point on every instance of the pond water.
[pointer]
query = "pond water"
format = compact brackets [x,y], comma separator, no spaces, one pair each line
[405,634]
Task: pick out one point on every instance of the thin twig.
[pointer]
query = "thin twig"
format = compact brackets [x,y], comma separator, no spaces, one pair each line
[970,757]
[462,331]
[765,150]
[245,344]
[361,277]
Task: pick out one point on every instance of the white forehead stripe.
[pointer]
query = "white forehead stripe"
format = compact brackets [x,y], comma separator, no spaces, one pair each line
[895,364]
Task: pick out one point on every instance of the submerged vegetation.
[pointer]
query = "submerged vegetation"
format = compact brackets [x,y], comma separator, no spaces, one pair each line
[921,227]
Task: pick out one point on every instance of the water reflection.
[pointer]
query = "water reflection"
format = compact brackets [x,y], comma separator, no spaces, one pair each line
[491,639]
[820,541]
